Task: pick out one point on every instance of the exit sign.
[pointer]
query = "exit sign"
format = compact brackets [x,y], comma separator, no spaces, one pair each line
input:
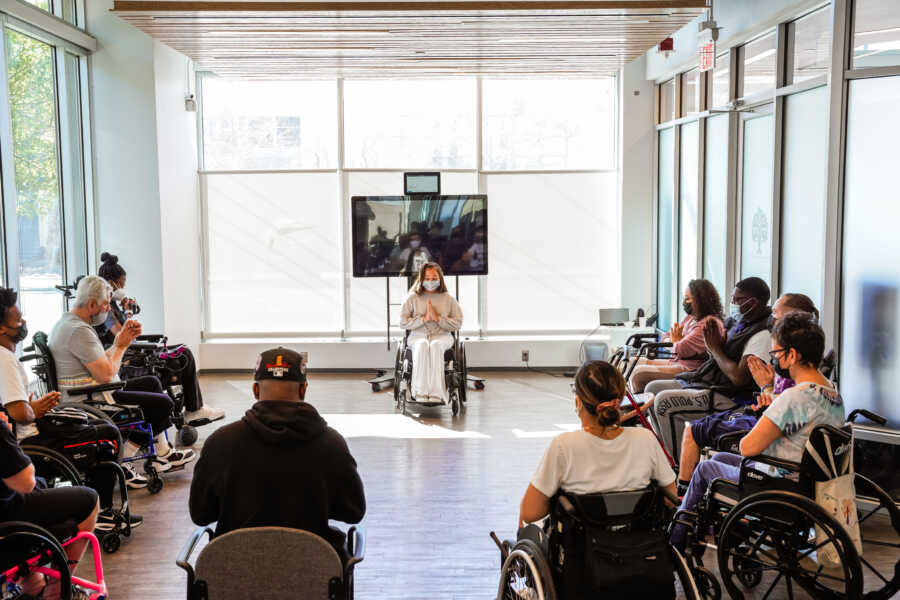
[707,56]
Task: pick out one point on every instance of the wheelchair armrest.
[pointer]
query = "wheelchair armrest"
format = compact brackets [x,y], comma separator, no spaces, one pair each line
[726,441]
[88,390]
[669,495]
[637,339]
[143,346]
[787,465]
[188,549]
[356,548]
[156,337]
[878,419]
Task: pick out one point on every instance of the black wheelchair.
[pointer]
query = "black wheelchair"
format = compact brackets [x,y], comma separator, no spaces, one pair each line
[455,375]
[768,529]
[601,546]
[129,419]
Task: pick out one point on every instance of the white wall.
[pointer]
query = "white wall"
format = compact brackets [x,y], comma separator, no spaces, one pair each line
[179,211]
[126,175]
[636,184]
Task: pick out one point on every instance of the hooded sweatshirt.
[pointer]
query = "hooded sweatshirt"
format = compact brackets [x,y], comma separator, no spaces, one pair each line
[280,465]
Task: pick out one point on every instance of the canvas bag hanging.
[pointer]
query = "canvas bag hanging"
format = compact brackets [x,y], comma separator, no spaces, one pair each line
[837,496]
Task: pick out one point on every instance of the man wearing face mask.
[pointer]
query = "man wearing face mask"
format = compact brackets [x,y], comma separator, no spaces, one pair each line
[81,361]
[724,380]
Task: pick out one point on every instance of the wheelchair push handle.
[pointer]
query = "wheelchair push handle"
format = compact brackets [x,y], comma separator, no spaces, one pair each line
[868,415]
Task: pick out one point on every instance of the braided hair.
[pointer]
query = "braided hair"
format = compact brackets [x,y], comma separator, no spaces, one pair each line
[600,386]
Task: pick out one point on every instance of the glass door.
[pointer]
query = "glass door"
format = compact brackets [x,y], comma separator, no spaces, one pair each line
[757,182]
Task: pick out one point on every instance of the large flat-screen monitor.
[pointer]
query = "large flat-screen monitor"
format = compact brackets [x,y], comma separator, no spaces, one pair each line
[395,235]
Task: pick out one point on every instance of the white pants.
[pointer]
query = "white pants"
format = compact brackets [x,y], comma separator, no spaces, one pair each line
[428,365]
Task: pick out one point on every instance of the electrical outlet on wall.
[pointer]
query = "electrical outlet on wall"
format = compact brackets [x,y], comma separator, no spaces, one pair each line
[525,355]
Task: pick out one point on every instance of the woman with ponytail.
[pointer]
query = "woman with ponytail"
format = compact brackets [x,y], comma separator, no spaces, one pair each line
[600,456]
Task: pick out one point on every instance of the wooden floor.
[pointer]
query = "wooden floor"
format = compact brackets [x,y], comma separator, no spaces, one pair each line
[435,485]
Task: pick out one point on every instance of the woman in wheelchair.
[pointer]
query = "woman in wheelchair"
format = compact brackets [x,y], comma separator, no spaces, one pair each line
[601,456]
[430,314]
[64,511]
[81,360]
[120,310]
[701,304]
[798,344]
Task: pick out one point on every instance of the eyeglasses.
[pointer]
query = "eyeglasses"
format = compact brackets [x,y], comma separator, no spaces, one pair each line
[775,353]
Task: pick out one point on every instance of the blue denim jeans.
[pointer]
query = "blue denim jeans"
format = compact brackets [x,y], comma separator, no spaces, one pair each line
[724,465]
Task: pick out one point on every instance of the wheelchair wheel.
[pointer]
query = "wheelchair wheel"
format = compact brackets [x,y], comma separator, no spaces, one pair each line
[774,534]
[708,586]
[881,577]
[111,543]
[20,542]
[525,574]
[398,373]
[685,578]
[187,435]
[52,466]
[463,373]
[454,402]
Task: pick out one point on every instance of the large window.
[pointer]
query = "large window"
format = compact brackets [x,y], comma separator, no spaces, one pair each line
[273,125]
[32,104]
[689,184]
[758,72]
[541,124]
[721,75]
[870,363]
[715,201]
[690,92]
[876,35]
[756,197]
[667,101]
[667,249]
[812,45]
[281,239]
[803,199]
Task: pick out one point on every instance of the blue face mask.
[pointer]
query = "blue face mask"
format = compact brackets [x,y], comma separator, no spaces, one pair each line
[735,311]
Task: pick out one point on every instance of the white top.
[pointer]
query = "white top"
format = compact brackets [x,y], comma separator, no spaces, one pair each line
[14,388]
[759,345]
[581,463]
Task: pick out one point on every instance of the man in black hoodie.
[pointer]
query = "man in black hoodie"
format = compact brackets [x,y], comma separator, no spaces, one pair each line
[280,465]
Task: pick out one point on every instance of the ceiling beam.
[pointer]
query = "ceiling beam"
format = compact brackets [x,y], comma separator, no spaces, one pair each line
[379,6]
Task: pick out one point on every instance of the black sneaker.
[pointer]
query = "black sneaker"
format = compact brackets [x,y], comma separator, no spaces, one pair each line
[107,519]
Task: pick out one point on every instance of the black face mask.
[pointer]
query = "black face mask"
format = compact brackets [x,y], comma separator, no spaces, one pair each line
[770,323]
[779,370]
[20,334]
[687,307]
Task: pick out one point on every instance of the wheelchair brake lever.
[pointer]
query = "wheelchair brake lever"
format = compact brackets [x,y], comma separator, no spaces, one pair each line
[504,551]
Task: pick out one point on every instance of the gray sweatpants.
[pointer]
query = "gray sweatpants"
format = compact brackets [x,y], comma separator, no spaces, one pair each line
[674,406]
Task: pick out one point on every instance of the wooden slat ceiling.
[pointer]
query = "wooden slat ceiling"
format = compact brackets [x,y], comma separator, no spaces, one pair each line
[312,40]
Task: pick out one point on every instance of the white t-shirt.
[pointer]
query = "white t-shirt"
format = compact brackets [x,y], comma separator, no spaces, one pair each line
[14,388]
[759,345]
[581,463]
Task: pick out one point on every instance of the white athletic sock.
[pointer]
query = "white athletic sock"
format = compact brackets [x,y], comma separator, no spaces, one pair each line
[130,449]
[162,445]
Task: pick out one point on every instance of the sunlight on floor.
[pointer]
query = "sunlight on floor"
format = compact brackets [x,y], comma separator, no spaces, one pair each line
[519,433]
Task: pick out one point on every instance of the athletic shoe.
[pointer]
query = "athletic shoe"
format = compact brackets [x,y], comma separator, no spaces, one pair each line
[106,520]
[174,458]
[203,415]
[133,479]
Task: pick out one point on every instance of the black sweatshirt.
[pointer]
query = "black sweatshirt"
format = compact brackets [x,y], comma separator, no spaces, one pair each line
[280,465]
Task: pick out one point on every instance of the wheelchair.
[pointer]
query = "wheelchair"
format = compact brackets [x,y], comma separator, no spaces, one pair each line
[273,562]
[58,471]
[456,372]
[26,548]
[129,419]
[768,529]
[605,545]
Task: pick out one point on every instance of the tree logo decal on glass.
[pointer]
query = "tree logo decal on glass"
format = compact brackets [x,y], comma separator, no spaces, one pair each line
[760,230]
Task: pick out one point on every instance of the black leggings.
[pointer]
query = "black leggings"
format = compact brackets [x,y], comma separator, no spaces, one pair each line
[59,510]
[147,393]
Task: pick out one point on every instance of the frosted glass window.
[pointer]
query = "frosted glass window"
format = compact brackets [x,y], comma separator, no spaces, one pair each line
[758,73]
[756,198]
[390,124]
[689,184]
[667,101]
[715,204]
[721,80]
[690,92]
[367,294]
[536,124]
[803,201]
[274,253]
[812,45]
[870,361]
[269,125]
[554,241]
[876,35]
[667,248]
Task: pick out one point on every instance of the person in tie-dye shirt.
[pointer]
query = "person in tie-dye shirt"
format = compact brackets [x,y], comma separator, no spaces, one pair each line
[798,344]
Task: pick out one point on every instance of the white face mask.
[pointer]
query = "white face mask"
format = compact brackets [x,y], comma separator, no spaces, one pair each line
[414,244]
[119,295]
[431,285]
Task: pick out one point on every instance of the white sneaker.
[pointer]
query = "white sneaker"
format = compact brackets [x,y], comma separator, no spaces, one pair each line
[206,414]
[133,479]
[174,458]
